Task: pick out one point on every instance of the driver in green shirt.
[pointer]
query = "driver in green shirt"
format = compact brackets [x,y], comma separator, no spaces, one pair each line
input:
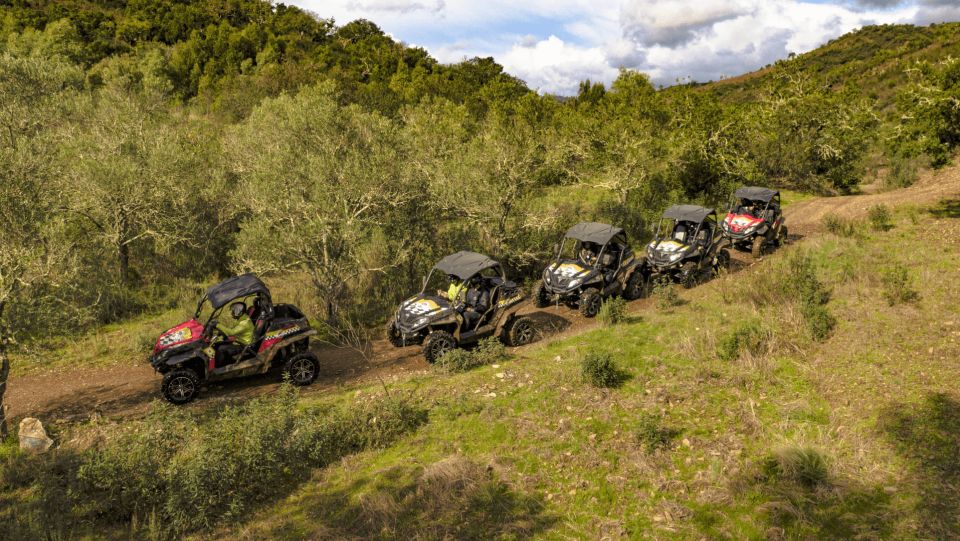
[238,336]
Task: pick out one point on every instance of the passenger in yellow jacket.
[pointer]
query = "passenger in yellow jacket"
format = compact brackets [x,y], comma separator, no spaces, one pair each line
[238,336]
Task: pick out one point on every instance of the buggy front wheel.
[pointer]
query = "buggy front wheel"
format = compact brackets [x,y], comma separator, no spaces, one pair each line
[590,303]
[782,237]
[302,369]
[541,298]
[689,274]
[180,386]
[393,335]
[756,250]
[637,286]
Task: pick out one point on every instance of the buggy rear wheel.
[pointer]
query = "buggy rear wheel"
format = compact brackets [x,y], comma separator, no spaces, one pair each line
[180,386]
[438,343]
[782,237]
[520,332]
[723,259]
[393,335]
[638,286]
[590,303]
[541,298]
[302,369]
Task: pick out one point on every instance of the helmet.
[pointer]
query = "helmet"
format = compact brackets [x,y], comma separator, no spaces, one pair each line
[237,309]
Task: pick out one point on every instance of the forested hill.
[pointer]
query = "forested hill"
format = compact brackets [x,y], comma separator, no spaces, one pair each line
[877,60]
[230,54]
[153,146]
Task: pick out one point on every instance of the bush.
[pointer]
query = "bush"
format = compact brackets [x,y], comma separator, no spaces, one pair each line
[811,294]
[903,173]
[612,311]
[897,286]
[880,218]
[666,295]
[805,466]
[652,434]
[488,351]
[748,336]
[599,370]
[174,471]
[841,227]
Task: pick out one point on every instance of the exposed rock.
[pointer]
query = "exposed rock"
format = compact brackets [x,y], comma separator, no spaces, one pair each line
[33,438]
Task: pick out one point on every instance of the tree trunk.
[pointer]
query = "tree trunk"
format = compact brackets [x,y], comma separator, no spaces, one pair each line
[4,374]
[123,249]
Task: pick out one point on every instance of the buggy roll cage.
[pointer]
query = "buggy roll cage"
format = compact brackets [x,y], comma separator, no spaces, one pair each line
[594,232]
[752,193]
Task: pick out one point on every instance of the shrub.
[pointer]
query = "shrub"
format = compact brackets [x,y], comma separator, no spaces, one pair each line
[652,434]
[841,227]
[666,295]
[488,351]
[612,311]
[748,336]
[811,295]
[897,285]
[805,466]
[599,370]
[903,173]
[880,218]
[185,475]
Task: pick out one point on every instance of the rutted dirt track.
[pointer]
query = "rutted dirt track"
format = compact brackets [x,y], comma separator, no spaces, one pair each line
[127,390]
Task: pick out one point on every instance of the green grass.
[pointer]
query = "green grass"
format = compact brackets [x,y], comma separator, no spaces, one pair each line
[851,437]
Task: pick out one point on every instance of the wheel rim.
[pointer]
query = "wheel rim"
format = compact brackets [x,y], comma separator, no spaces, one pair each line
[524,333]
[593,305]
[302,371]
[181,388]
[440,347]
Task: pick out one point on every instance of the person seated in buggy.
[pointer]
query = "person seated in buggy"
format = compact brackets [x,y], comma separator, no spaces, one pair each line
[236,337]
[476,301]
[588,252]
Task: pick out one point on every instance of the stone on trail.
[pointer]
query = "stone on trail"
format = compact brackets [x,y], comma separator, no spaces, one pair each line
[33,437]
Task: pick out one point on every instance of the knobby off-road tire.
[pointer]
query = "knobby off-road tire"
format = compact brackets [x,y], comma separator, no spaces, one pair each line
[302,369]
[541,299]
[520,332]
[723,260]
[180,386]
[782,237]
[393,335]
[689,275]
[757,249]
[638,286]
[437,344]
[590,303]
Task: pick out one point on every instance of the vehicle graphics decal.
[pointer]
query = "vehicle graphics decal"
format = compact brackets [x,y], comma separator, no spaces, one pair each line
[568,270]
[668,246]
[273,337]
[507,301]
[739,222]
[423,306]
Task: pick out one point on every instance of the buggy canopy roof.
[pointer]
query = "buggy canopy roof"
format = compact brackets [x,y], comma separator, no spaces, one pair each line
[756,193]
[687,213]
[232,288]
[465,264]
[593,232]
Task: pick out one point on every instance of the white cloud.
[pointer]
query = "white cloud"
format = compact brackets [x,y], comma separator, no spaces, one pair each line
[554,44]
[553,66]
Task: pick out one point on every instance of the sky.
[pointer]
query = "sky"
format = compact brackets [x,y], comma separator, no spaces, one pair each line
[555,44]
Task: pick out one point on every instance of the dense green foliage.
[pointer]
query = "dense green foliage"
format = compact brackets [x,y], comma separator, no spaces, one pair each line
[170,474]
[153,146]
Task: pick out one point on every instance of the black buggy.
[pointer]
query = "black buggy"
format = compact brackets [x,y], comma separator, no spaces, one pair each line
[687,247]
[186,354]
[755,220]
[594,261]
[478,302]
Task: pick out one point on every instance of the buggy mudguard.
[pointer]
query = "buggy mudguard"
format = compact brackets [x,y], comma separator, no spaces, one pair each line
[279,346]
[182,358]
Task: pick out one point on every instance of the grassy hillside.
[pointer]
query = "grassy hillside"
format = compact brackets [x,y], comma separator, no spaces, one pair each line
[874,60]
[733,418]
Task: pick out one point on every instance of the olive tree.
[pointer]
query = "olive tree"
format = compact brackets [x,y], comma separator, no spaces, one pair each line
[319,182]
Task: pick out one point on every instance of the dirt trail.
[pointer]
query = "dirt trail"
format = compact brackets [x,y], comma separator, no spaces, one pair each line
[127,390]
[805,217]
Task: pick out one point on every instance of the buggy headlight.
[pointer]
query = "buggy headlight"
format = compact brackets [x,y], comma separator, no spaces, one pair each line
[676,256]
[419,321]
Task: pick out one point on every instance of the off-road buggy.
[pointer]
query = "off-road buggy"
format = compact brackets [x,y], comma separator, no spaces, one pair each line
[186,354]
[440,323]
[755,220]
[687,247]
[593,262]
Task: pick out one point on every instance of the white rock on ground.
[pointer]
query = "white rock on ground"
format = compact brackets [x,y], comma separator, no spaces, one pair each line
[33,437]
